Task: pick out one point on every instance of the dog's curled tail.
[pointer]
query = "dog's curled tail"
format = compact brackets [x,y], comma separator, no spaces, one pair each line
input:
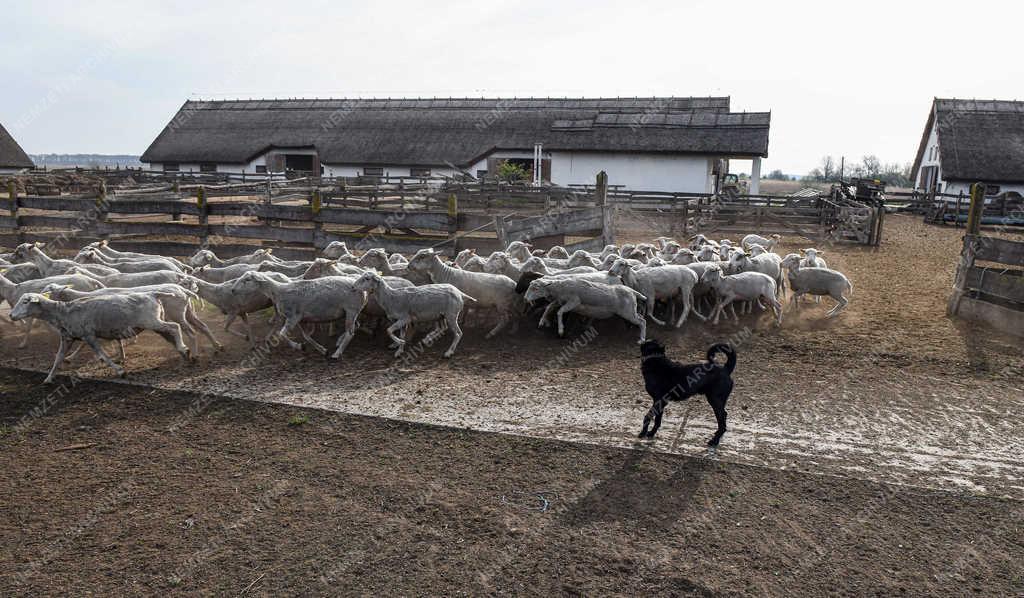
[728,351]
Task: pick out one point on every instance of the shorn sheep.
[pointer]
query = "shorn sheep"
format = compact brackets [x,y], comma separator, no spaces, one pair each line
[745,286]
[114,317]
[326,299]
[590,299]
[490,290]
[406,306]
[817,281]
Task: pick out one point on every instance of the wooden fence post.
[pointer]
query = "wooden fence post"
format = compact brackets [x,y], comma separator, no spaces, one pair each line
[969,248]
[453,222]
[607,210]
[101,203]
[201,204]
[315,204]
[12,193]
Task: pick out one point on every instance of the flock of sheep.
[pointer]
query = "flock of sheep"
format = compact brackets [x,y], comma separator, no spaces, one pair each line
[105,294]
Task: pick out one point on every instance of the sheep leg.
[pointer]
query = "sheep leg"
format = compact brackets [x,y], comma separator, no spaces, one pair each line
[634,318]
[687,307]
[776,308]
[290,323]
[172,334]
[732,308]
[453,323]
[98,350]
[397,325]
[193,320]
[569,305]
[650,309]
[502,322]
[841,303]
[309,339]
[227,326]
[58,359]
[545,317]
[351,326]
[28,331]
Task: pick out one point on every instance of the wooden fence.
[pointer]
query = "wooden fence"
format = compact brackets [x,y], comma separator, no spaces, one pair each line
[993,294]
[296,220]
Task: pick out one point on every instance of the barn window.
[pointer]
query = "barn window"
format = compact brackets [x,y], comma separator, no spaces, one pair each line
[480,174]
[261,169]
[171,167]
[424,172]
[207,167]
[373,171]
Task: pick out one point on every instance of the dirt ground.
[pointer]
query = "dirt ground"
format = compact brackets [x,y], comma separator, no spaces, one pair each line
[123,490]
[890,399]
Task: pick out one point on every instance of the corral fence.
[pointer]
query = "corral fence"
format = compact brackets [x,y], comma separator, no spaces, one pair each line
[989,285]
[298,217]
[301,214]
[954,208]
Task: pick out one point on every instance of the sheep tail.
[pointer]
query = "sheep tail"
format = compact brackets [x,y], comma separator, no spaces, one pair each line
[465,296]
[728,351]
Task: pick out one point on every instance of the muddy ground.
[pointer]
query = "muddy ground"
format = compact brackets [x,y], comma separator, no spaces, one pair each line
[891,390]
[872,453]
[117,489]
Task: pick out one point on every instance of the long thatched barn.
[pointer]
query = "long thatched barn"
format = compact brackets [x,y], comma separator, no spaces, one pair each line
[672,144]
[970,141]
[13,159]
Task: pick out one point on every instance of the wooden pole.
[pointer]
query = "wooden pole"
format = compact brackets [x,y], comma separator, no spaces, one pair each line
[969,248]
[977,208]
[203,209]
[607,210]
[12,193]
[453,222]
[315,204]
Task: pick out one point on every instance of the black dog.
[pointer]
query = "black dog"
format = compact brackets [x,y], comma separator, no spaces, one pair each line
[667,380]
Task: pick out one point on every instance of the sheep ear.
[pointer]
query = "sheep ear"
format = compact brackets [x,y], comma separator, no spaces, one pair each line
[269,250]
[46,294]
[37,244]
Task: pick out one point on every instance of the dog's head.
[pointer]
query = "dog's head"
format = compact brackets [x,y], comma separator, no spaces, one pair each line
[651,347]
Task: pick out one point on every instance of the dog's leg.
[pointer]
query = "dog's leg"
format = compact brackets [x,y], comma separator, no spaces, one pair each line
[718,405]
[654,413]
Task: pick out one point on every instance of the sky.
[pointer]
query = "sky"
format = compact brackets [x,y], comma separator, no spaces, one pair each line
[839,78]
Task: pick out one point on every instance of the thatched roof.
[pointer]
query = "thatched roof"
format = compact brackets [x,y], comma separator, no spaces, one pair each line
[979,140]
[11,154]
[457,131]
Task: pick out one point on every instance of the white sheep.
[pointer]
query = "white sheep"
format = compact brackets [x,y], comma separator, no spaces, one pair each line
[175,300]
[766,263]
[89,257]
[31,252]
[660,283]
[338,251]
[590,299]
[817,281]
[114,317]
[205,257]
[406,306]
[767,243]
[326,299]
[490,290]
[212,274]
[745,286]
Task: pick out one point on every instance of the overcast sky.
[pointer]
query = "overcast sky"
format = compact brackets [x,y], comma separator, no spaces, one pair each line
[839,78]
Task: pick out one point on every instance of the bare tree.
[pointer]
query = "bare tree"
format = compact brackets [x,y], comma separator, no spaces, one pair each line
[828,168]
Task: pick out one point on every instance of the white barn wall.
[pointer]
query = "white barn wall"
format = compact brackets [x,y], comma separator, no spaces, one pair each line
[647,172]
[930,158]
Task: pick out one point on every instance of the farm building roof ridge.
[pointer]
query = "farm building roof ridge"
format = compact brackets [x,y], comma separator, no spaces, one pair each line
[11,154]
[457,131]
[979,140]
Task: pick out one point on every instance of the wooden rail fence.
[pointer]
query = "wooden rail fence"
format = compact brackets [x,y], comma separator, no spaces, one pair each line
[993,294]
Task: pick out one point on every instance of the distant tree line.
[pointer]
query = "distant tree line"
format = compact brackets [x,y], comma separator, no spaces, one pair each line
[870,167]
